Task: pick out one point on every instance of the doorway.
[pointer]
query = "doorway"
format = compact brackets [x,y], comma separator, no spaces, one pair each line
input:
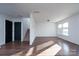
[8,31]
[17,31]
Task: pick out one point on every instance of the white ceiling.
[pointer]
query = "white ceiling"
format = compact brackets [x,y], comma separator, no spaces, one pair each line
[52,11]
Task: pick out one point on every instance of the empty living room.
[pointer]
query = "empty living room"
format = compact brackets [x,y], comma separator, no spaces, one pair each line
[39,29]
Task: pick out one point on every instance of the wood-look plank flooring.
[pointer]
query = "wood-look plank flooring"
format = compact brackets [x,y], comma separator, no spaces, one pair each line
[68,48]
[40,44]
[12,48]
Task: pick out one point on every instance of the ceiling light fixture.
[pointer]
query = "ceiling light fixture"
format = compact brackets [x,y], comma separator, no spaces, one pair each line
[36,11]
[48,20]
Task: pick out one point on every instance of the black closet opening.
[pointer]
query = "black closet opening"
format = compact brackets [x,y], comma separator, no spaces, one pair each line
[17,31]
[8,31]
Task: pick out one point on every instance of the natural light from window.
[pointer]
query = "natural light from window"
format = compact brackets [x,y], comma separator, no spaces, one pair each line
[65,29]
[60,26]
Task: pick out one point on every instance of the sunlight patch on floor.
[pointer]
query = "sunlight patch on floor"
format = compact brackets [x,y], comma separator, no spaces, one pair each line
[52,51]
[44,45]
[30,51]
[17,54]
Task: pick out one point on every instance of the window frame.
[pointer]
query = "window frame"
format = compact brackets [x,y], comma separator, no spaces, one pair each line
[64,29]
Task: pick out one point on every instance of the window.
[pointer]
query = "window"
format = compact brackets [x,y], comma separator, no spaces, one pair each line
[60,26]
[65,29]
[59,29]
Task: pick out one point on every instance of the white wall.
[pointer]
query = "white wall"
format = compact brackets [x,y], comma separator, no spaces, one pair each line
[45,29]
[73,29]
[40,29]
[26,26]
[32,29]
[17,20]
[2,29]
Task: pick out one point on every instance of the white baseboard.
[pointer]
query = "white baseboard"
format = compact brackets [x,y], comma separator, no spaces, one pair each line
[46,36]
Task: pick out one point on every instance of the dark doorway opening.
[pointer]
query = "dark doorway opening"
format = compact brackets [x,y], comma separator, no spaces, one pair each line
[17,31]
[8,31]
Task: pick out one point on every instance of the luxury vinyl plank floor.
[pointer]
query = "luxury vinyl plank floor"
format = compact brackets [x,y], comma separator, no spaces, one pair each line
[40,45]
